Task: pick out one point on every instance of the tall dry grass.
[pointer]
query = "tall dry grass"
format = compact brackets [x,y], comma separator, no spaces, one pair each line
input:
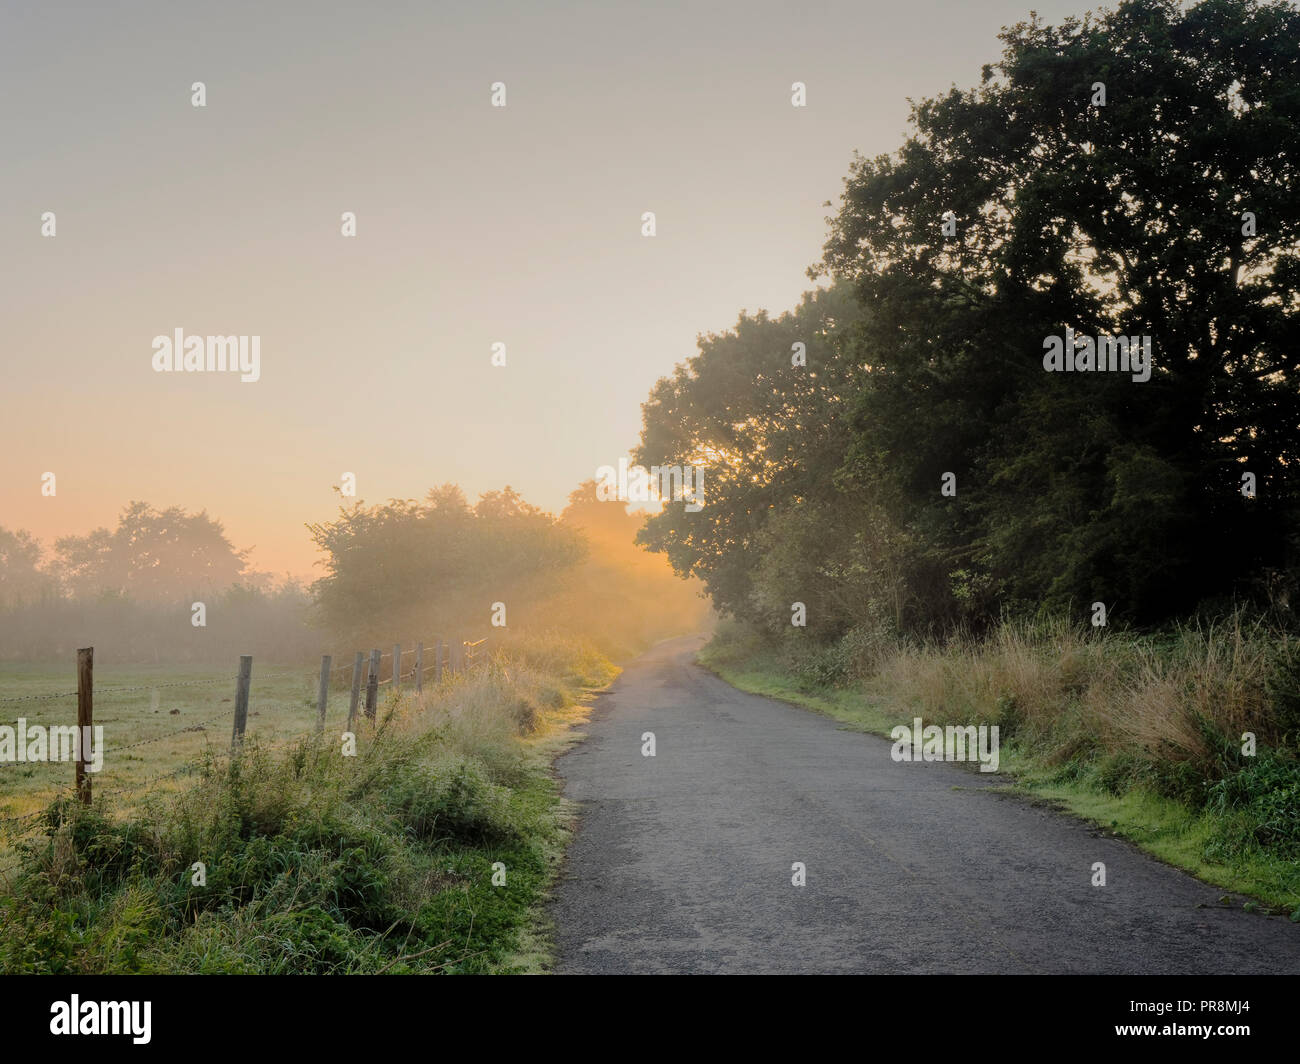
[1066,688]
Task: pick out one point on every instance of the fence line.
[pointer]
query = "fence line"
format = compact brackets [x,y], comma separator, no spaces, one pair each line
[38,698]
[450,659]
[386,656]
[115,689]
[200,726]
[112,690]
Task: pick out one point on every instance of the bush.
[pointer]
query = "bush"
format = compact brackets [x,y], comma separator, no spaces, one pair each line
[311,941]
[453,799]
[818,666]
[1259,807]
[1283,688]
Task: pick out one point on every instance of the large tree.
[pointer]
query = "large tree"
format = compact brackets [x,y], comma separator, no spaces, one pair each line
[152,555]
[21,577]
[435,567]
[770,431]
[1171,209]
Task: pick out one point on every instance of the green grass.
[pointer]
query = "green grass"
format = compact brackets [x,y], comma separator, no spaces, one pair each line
[321,863]
[1188,838]
[184,722]
[1173,833]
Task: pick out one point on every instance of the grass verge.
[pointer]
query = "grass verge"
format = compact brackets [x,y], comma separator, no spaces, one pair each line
[1235,832]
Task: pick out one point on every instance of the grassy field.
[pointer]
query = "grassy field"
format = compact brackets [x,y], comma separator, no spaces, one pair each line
[156,720]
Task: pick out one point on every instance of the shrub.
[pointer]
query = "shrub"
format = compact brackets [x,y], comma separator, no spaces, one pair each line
[1259,807]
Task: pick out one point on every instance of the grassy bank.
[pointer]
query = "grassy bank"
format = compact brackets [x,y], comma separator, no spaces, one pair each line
[1140,735]
[429,851]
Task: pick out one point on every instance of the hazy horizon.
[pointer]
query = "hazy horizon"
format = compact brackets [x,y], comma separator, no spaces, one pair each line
[475,225]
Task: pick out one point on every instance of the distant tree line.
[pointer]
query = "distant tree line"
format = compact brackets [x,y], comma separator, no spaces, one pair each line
[442,565]
[399,571]
[130,592]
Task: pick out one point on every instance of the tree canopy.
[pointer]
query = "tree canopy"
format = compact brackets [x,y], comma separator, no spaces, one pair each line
[152,555]
[1164,205]
[407,566]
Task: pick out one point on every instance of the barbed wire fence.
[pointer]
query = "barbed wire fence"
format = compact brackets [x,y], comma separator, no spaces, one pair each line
[448,659]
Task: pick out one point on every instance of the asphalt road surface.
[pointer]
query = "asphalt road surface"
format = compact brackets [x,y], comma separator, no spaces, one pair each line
[682,861]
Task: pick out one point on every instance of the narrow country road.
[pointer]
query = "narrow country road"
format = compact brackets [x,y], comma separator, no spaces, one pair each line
[682,861]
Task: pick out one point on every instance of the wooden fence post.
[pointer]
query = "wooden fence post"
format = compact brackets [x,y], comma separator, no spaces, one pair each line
[419,668]
[324,695]
[438,644]
[356,689]
[85,717]
[397,666]
[241,699]
[372,684]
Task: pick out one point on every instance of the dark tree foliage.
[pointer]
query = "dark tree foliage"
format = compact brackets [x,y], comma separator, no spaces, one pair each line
[1127,218]
[775,528]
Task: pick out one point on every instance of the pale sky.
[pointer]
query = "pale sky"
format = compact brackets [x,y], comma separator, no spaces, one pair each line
[475,225]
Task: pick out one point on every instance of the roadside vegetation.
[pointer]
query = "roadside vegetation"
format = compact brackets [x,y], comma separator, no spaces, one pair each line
[315,862]
[430,850]
[1142,734]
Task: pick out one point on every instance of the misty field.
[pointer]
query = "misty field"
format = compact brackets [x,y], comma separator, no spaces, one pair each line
[156,719]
